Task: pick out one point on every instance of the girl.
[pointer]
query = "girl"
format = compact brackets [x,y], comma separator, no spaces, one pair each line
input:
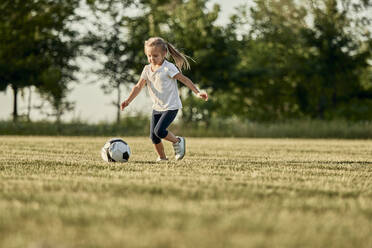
[161,77]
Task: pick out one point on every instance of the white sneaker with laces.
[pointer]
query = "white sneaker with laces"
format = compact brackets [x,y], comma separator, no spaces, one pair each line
[159,159]
[179,148]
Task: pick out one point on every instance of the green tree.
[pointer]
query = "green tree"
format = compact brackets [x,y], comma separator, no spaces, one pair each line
[192,28]
[269,50]
[35,39]
[112,49]
[340,46]
[303,59]
[54,91]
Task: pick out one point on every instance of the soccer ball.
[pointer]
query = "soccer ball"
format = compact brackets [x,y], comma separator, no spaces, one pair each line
[115,150]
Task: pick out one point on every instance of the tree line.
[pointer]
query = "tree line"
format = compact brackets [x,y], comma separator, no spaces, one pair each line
[274,59]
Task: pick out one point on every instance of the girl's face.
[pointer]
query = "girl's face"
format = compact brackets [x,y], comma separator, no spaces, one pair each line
[155,55]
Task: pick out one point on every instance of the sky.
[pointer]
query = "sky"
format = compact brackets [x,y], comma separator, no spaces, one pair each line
[91,104]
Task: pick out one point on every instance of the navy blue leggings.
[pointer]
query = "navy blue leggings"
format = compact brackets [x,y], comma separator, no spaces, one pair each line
[160,121]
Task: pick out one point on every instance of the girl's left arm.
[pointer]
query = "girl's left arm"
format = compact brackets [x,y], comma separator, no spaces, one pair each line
[186,81]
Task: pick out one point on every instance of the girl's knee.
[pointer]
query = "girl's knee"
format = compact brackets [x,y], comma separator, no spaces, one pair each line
[161,133]
[154,138]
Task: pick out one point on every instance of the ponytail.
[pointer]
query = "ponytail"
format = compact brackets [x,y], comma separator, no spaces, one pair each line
[179,58]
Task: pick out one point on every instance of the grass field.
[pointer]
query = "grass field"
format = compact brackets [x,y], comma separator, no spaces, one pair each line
[57,192]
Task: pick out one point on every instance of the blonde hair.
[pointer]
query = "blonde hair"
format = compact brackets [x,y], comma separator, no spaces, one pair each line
[179,58]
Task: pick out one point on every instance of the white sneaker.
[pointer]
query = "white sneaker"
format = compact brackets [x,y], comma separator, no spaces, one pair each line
[179,148]
[161,159]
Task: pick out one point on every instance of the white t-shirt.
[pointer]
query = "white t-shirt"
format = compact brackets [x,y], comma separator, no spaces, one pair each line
[162,86]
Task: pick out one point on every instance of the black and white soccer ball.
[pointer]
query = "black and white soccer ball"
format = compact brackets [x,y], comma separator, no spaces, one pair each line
[115,150]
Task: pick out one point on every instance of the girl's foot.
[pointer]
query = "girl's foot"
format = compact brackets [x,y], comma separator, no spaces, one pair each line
[180,148]
[159,159]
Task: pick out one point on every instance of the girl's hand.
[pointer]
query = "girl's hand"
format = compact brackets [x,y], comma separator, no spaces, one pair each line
[203,95]
[124,105]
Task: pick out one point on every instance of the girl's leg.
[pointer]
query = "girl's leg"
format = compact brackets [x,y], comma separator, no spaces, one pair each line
[161,131]
[163,123]
[171,137]
[154,121]
[160,150]
[159,120]
[178,145]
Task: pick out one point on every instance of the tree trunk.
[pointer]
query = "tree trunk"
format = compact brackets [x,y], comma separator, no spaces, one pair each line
[58,119]
[29,105]
[118,105]
[15,108]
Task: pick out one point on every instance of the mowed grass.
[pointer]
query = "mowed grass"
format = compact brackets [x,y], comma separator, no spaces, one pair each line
[57,192]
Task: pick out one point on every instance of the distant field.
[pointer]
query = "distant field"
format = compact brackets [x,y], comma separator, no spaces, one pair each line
[57,192]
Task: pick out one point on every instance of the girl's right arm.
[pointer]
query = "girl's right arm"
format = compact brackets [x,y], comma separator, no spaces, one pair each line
[135,90]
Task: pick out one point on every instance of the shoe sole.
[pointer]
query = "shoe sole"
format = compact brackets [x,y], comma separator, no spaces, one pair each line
[184,145]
